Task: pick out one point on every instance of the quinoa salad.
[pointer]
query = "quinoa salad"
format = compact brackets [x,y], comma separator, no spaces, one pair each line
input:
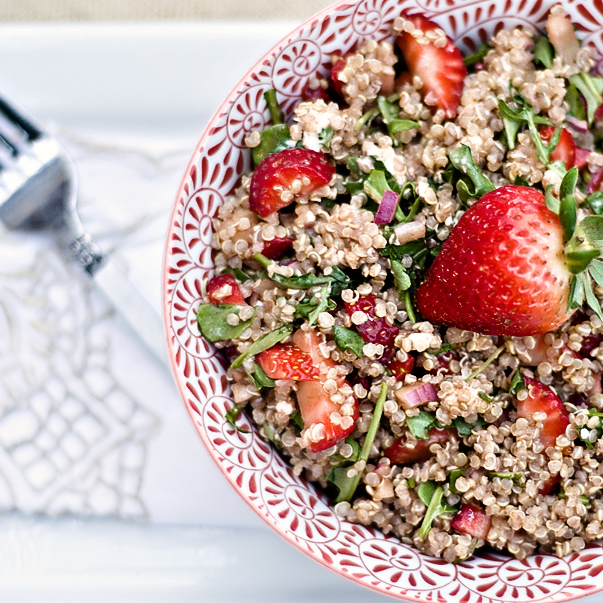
[408,288]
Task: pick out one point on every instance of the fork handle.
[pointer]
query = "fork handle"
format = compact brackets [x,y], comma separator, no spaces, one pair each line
[138,312]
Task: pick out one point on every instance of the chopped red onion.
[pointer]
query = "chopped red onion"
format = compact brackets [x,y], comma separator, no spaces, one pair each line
[579,125]
[387,207]
[581,157]
[594,184]
[416,394]
[409,231]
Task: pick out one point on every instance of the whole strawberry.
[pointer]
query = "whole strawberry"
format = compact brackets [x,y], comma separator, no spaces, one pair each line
[502,271]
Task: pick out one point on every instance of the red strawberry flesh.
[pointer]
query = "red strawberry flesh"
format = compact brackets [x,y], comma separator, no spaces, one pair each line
[400,369]
[315,405]
[400,453]
[286,175]
[566,147]
[502,270]
[541,398]
[276,248]
[441,69]
[375,329]
[287,361]
[472,520]
[224,289]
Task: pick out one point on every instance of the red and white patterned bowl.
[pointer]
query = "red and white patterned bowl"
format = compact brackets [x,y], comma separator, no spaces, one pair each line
[294,508]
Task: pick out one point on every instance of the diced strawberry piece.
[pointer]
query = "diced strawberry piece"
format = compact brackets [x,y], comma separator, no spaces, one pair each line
[336,69]
[400,453]
[374,329]
[400,369]
[283,176]
[442,70]
[550,483]
[443,360]
[472,520]
[542,398]
[287,361]
[224,289]
[598,113]
[277,247]
[566,148]
[581,157]
[502,270]
[313,94]
[590,343]
[315,405]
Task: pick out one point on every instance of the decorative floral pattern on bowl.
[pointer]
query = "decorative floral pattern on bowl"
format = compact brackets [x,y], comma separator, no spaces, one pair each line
[296,509]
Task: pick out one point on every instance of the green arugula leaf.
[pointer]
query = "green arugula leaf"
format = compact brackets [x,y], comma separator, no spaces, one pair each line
[271,436]
[375,185]
[305,307]
[574,100]
[265,342]
[484,396]
[464,428]
[304,281]
[591,88]
[454,475]
[517,383]
[595,200]
[212,321]
[353,458]
[411,482]
[325,136]
[446,347]
[297,419]
[231,417]
[513,119]
[346,339]
[348,485]
[434,509]
[238,274]
[596,271]
[323,304]
[543,52]
[425,491]
[477,56]
[260,378]
[550,200]
[273,140]
[519,181]
[401,279]
[421,424]
[475,184]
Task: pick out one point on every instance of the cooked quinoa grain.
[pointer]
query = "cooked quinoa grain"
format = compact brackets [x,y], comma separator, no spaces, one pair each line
[429,433]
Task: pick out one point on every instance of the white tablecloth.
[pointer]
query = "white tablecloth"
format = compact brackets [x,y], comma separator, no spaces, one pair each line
[105,489]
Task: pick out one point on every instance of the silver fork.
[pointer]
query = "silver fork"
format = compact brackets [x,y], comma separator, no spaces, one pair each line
[38,192]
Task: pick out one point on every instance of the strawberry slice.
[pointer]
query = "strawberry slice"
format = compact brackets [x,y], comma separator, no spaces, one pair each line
[400,369]
[550,483]
[224,289]
[502,269]
[315,405]
[313,94]
[287,361]
[277,247]
[375,329]
[542,398]
[472,520]
[442,70]
[336,69]
[400,453]
[283,176]
[566,148]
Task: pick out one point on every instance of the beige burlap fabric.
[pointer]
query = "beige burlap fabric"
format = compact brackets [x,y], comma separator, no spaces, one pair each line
[146,10]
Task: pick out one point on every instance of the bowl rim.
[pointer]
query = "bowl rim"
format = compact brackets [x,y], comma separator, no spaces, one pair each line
[181,380]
